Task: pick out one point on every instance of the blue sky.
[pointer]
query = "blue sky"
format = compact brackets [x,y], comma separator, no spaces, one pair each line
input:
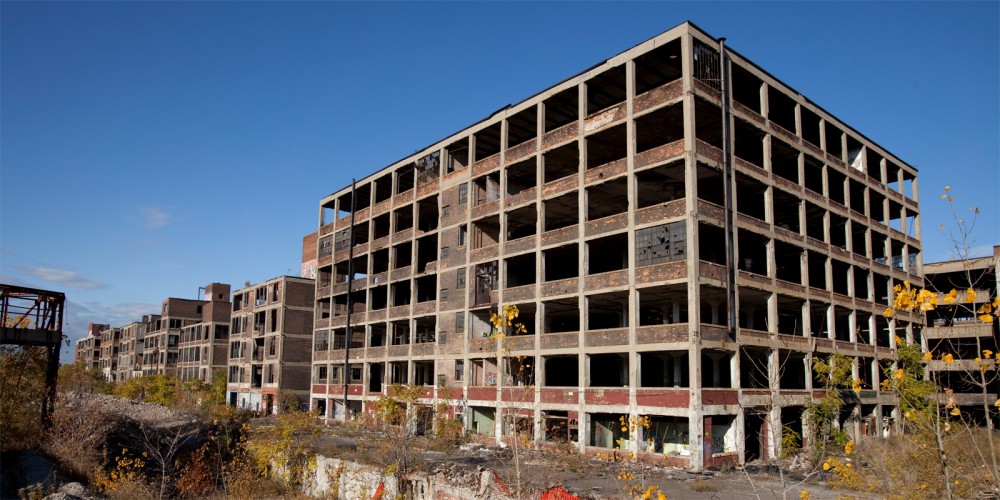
[147,149]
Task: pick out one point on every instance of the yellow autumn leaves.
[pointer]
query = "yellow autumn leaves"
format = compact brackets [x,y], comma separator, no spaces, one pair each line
[504,324]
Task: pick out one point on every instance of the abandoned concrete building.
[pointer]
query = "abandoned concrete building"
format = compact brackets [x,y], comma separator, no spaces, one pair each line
[680,240]
[129,362]
[88,349]
[270,345]
[110,343]
[956,329]
[189,338]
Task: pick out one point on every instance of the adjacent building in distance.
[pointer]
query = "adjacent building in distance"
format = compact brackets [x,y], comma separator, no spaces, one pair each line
[270,346]
[675,251]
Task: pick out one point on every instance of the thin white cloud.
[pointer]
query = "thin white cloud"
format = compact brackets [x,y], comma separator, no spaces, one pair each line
[153,217]
[77,315]
[64,277]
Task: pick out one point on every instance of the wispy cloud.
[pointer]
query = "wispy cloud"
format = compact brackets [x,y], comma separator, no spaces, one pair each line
[153,217]
[64,277]
[78,315]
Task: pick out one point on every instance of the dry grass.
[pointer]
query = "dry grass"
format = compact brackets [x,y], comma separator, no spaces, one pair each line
[703,486]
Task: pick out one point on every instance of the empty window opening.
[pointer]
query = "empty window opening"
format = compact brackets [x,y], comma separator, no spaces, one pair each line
[404,178]
[485,282]
[381,226]
[896,216]
[428,168]
[403,218]
[324,278]
[841,274]
[863,328]
[661,244]
[480,326]
[383,188]
[896,247]
[427,214]
[486,232]
[561,371]
[375,377]
[659,127]
[836,186]
[323,309]
[607,254]
[754,368]
[788,261]
[427,253]
[791,370]
[746,88]
[751,196]
[426,288]
[561,316]
[457,156]
[487,188]
[879,247]
[670,436]
[423,330]
[606,89]
[710,185]
[607,310]
[607,146]
[608,370]
[748,143]
[520,270]
[834,136]
[662,305]
[526,316]
[787,210]
[817,269]
[841,323]
[880,288]
[855,154]
[380,261]
[522,176]
[659,185]
[810,126]
[815,222]
[399,372]
[423,373]
[859,241]
[716,368]
[713,305]
[813,170]
[401,293]
[861,283]
[882,331]
[487,142]
[664,369]
[607,199]
[712,244]
[752,251]
[522,222]
[558,427]
[561,211]
[657,67]
[781,109]
[784,160]
[873,161]
[867,373]
[790,312]
[818,322]
[708,122]
[329,213]
[838,230]
[561,162]
[402,255]
[858,192]
[753,309]
[400,332]
[377,335]
[561,262]
[561,109]
[522,127]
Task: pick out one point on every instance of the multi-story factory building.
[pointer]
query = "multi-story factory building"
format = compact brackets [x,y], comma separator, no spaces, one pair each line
[954,327]
[88,349]
[130,350]
[680,241]
[110,343]
[270,347]
[200,327]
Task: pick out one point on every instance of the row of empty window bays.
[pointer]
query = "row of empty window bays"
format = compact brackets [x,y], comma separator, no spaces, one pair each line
[755,203]
[607,90]
[661,316]
[657,369]
[652,186]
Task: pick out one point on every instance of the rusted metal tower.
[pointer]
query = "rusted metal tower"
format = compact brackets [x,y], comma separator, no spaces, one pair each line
[33,317]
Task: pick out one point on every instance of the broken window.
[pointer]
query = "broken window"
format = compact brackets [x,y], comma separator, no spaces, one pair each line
[457,156]
[404,178]
[661,244]
[428,168]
